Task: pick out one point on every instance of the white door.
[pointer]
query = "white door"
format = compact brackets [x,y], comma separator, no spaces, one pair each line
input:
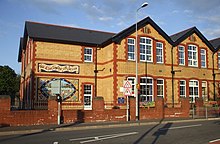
[87,97]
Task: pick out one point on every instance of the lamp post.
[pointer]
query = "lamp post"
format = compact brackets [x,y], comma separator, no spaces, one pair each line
[136,62]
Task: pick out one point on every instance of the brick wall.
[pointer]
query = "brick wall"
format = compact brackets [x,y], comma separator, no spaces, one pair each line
[27,117]
[98,114]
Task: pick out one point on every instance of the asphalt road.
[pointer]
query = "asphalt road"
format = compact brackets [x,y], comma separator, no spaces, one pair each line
[201,132]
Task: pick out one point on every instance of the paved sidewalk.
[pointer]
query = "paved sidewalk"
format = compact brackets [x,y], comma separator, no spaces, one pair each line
[17,130]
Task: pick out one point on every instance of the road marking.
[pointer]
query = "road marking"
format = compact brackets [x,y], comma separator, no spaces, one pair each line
[213,141]
[181,127]
[102,137]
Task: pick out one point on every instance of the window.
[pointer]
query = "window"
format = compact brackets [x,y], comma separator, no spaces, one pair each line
[132,79]
[87,97]
[88,55]
[182,88]
[160,88]
[146,52]
[218,60]
[192,56]
[203,58]
[146,89]
[204,91]
[159,52]
[131,49]
[181,50]
[193,90]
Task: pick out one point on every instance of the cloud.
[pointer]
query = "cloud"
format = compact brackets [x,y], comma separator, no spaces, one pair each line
[212,33]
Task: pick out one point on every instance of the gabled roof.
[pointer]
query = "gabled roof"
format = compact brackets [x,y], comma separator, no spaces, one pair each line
[178,35]
[181,36]
[55,33]
[215,43]
[128,31]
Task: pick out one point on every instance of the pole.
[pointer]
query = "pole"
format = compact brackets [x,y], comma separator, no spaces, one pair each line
[127,109]
[59,114]
[136,63]
[136,70]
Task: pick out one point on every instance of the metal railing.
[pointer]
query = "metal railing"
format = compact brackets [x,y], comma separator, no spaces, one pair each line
[205,112]
[40,105]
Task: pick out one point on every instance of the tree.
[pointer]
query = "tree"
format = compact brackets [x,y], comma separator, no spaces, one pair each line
[9,81]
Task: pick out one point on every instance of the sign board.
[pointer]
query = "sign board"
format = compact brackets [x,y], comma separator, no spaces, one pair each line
[121,100]
[127,88]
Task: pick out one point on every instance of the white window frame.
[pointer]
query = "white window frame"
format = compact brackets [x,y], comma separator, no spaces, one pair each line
[203,54]
[159,52]
[183,88]
[181,50]
[218,60]
[193,60]
[147,85]
[162,87]
[147,54]
[204,93]
[132,79]
[194,84]
[88,55]
[89,95]
[131,58]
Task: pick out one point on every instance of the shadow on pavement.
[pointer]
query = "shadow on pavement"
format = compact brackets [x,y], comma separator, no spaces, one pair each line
[45,130]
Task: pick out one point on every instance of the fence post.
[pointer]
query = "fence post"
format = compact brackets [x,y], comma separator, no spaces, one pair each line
[193,114]
[206,112]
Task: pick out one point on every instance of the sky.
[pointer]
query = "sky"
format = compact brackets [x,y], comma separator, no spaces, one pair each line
[105,15]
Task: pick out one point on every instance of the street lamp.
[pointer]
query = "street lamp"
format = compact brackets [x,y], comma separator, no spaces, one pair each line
[136,62]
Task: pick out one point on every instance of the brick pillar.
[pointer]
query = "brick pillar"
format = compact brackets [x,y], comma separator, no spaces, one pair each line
[199,102]
[53,110]
[98,104]
[5,103]
[185,106]
[199,105]
[132,108]
[159,104]
[5,107]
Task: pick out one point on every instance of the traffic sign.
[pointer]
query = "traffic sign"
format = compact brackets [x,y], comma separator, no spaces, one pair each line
[127,88]
[127,84]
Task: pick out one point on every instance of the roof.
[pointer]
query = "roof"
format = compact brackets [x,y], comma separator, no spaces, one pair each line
[126,32]
[215,43]
[180,36]
[62,34]
[55,33]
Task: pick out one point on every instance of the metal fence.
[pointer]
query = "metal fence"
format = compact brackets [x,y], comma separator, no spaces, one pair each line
[40,105]
[205,112]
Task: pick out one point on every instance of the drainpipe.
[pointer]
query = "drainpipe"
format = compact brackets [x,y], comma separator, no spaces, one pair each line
[213,74]
[96,72]
[96,69]
[173,73]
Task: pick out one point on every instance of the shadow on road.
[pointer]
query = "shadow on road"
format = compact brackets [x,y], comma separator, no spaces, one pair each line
[147,132]
[157,134]
[161,131]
